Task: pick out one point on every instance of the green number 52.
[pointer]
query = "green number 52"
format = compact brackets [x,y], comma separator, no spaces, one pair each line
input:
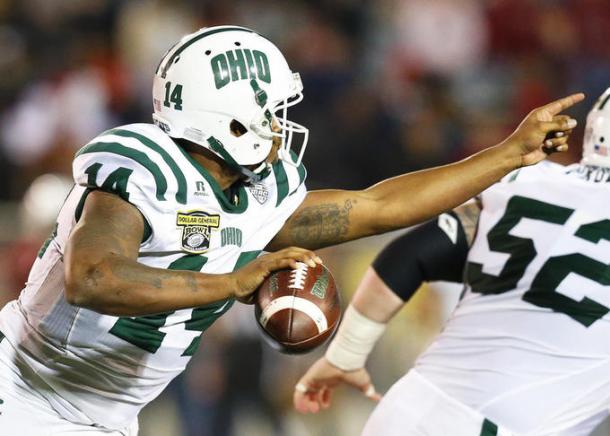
[543,290]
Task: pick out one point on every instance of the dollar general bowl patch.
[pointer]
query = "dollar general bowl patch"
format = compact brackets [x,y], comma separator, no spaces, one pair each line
[196,228]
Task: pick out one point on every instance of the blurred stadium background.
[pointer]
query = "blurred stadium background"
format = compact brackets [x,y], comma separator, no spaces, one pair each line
[390,86]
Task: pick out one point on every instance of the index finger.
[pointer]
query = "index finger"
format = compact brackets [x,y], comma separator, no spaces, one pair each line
[563,103]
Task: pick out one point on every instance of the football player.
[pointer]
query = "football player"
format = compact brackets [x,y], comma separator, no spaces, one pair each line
[164,226]
[523,353]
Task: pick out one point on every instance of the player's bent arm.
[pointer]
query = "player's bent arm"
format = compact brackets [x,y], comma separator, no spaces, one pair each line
[330,217]
[436,250]
[102,272]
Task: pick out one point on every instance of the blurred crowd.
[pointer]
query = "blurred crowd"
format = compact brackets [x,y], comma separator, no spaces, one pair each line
[390,86]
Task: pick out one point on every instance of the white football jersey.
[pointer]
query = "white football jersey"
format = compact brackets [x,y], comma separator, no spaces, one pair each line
[527,346]
[100,369]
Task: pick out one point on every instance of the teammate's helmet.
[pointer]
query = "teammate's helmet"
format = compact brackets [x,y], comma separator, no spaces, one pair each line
[596,145]
[226,88]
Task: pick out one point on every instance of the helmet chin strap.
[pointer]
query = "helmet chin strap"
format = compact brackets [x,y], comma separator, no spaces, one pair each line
[255,175]
[250,176]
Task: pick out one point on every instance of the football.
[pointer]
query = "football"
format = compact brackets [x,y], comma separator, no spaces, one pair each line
[298,309]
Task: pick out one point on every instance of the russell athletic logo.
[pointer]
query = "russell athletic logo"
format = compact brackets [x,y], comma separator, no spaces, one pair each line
[240,64]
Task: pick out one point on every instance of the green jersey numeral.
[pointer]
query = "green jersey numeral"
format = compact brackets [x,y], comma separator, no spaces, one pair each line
[115,182]
[522,251]
[144,331]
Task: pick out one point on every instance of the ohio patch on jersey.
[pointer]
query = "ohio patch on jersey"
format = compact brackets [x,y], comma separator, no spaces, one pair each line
[94,363]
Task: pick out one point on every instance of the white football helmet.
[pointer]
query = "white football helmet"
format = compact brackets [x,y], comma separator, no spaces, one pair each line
[227,88]
[596,144]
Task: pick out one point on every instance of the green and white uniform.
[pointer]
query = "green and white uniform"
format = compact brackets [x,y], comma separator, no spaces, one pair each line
[531,331]
[526,351]
[101,370]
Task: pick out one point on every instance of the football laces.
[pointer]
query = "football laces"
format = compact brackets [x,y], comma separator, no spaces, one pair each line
[298,276]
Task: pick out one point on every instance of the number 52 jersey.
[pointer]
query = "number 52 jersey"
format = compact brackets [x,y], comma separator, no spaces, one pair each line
[528,345]
[100,369]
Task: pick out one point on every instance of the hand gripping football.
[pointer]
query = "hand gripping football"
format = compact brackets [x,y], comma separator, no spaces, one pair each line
[298,309]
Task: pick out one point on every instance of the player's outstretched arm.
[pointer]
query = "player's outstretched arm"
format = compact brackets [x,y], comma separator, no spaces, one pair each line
[102,272]
[330,217]
[436,250]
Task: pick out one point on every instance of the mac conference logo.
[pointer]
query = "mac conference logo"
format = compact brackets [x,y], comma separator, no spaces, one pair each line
[259,192]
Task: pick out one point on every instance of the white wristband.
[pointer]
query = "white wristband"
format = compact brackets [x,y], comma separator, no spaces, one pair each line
[354,341]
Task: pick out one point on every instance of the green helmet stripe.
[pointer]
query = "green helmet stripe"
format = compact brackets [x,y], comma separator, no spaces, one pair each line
[135,155]
[260,96]
[182,187]
[191,41]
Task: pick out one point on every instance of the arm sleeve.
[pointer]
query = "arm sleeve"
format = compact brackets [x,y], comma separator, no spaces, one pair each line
[436,250]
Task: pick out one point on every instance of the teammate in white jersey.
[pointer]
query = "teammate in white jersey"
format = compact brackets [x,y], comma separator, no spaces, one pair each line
[526,351]
[164,227]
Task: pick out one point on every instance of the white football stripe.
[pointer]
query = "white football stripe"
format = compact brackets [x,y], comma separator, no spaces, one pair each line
[297,303]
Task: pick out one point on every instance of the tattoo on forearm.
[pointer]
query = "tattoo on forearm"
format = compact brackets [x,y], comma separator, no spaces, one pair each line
[321,225]
[191,282]
[127,272]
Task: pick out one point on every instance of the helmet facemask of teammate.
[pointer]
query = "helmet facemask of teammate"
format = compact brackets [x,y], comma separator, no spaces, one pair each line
[596,144]
[228,89]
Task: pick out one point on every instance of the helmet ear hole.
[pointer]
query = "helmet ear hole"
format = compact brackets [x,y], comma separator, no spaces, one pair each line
[602,139]
[237,128]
